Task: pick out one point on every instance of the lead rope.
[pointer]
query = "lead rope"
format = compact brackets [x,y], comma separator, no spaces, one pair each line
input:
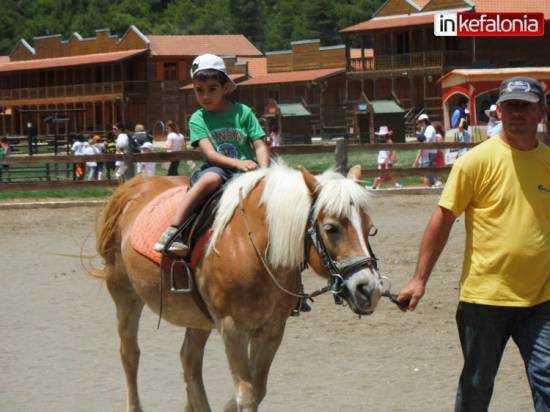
[264,263]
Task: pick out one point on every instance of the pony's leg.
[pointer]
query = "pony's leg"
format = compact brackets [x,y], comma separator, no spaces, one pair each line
[128,310]
[191,354]
[236,349]
[263,348]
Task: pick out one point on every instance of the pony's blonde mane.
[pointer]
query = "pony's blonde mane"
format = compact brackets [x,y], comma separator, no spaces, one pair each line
[288,203]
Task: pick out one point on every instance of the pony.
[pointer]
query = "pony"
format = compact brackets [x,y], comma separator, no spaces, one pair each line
[269,224]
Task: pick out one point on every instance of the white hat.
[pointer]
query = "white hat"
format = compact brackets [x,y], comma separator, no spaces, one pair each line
[212,62]
[147,145]
[490,110]
[423,116]
[383,131]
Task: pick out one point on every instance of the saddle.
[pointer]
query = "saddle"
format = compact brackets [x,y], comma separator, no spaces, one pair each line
[151,223]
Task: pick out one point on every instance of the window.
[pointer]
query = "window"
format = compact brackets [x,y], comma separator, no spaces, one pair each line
[170,71]
[403,45]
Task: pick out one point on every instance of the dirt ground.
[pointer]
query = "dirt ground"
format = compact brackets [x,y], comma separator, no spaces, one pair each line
[60,347]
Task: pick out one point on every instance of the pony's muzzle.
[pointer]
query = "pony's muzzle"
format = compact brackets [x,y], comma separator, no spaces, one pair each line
[365,292]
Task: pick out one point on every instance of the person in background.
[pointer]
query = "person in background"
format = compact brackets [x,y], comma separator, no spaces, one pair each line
[110,148]
[439,160]
[460,112]
[147,168]
[463,136]
[140,135]
[4,153]
[386,158]
[503,187]
[175,142]
[275,137]
[123,146]
[78,148]
[90,150]
[426,157]
[494,127]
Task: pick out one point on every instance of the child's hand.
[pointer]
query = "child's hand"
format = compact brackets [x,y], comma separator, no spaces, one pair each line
[246,165]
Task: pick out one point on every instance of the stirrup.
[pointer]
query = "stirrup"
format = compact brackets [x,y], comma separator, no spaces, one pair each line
[173,287]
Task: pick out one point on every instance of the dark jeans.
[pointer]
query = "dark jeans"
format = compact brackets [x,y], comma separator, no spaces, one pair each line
[484,331]
[173,168]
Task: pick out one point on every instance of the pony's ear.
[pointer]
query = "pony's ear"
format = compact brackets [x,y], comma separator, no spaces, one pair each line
[355,173]
[311,182]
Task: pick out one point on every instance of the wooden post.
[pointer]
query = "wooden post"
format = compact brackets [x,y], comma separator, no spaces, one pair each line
[129,161]
[341,153]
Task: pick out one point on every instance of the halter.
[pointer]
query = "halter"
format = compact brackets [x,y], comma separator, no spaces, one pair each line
[341,270]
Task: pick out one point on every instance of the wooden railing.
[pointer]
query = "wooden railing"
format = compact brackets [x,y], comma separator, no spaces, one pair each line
[340,149]
[85,89]
[412,60]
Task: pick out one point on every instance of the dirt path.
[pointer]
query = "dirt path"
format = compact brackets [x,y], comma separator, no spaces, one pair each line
[60,349]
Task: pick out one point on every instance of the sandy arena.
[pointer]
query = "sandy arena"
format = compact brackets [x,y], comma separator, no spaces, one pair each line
[60,346]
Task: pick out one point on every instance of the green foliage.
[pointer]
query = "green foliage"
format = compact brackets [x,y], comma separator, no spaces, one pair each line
[269,24]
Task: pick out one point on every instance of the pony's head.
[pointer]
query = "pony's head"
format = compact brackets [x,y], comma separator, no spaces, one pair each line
[322,220]
[337,243]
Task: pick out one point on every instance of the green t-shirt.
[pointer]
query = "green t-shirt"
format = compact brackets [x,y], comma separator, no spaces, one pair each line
[231,132]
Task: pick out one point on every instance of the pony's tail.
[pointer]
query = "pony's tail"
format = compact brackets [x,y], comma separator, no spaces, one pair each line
[107,226]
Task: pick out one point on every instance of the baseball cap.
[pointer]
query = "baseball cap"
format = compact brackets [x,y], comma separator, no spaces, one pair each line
[423,116]
[147,145]
[211,62]
[520,88]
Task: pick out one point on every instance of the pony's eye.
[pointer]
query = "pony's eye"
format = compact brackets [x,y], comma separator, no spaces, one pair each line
[330,228]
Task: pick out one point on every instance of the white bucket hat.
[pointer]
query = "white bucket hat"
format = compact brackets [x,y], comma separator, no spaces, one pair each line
[423,116]
[211,62]
[383,130]
[147,145]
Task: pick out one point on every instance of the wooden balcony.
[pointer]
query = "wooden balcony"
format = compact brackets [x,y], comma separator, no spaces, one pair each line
[74,90]
[412,61]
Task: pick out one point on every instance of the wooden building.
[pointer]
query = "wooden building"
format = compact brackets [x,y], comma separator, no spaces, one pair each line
[308,74]
[101,80]
[409,59]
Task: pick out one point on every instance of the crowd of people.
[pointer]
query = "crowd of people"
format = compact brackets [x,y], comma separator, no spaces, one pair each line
[120,141]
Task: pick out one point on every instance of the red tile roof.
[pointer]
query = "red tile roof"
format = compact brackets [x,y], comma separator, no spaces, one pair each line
[531,6]
[81,60]
[4,60]
[292,77]
[195,45]
[481,6]
[421,3]
[390,21]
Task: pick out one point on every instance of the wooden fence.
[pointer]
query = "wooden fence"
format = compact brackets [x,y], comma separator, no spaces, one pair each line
[340,149]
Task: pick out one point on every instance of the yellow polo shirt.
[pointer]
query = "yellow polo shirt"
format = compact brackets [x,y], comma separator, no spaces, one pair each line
[505,194]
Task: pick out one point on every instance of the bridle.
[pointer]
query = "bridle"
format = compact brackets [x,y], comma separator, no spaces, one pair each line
[339,270]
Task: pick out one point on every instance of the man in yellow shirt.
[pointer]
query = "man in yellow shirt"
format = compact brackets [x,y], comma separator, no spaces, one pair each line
[503,187]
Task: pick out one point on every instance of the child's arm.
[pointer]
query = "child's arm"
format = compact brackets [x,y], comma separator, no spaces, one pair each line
[217,159]
[262,152]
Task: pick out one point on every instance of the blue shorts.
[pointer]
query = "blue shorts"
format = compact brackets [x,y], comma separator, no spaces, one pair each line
[225,174]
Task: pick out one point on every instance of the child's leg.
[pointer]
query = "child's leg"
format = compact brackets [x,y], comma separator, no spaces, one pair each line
[204,187]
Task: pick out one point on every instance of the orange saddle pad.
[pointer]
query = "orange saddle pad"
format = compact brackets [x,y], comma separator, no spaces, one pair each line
[153,220]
